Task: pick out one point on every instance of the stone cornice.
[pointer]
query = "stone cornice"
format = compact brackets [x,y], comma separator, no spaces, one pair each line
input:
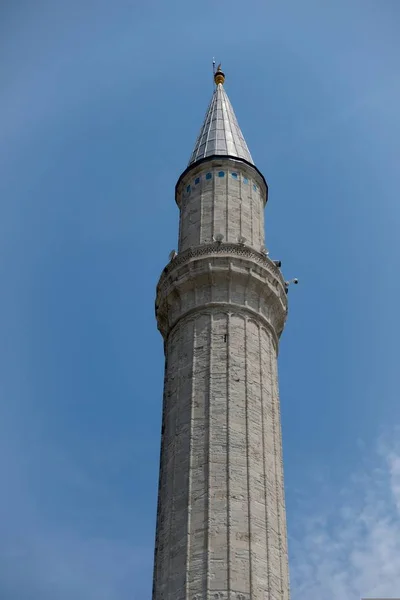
[221,275]
[221,249]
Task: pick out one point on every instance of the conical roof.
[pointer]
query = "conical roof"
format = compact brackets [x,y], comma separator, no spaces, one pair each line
[220,133]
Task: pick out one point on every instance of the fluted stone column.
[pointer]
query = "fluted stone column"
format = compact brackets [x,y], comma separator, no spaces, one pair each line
[221,308]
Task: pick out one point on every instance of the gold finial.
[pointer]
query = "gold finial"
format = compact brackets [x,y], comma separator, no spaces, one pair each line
[219,76]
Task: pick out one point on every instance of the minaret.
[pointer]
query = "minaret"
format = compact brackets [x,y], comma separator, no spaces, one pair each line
[221,307]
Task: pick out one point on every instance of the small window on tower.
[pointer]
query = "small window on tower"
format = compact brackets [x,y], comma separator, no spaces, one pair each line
[254,187]
[245,180]
[209,175]
[197,181]
[234,175]
[221,174]
[188,188]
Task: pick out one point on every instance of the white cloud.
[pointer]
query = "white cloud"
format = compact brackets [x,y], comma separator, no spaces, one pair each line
[352,549]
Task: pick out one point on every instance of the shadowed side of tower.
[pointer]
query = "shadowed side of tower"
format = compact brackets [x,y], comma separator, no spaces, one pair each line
[221,307]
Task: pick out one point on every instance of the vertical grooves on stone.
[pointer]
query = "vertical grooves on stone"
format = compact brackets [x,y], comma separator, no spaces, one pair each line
[268,566]
[188,548]
[252,218]
[227,206]
[240,210]
[194,324]
[247,452]
[165,519]
[285,580]
[208,435]
[229,294]
[277,495]
[213,206]
[180,226]
[283,538]
[157,566]
[201,201]
[170,589]
[228,502]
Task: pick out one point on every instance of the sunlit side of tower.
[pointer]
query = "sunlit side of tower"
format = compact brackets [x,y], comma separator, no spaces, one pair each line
[221,307]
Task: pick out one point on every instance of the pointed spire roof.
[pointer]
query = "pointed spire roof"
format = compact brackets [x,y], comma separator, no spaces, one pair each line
[220,133]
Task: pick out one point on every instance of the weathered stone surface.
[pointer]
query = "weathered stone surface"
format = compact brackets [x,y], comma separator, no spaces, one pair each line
[221,307]
[232,205]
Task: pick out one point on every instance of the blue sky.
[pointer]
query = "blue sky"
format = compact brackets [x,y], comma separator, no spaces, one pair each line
[100,106]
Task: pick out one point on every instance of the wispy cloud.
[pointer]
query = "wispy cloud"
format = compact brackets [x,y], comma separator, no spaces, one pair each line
[350,548]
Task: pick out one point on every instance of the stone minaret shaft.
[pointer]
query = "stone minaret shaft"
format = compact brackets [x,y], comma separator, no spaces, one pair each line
[221,307]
